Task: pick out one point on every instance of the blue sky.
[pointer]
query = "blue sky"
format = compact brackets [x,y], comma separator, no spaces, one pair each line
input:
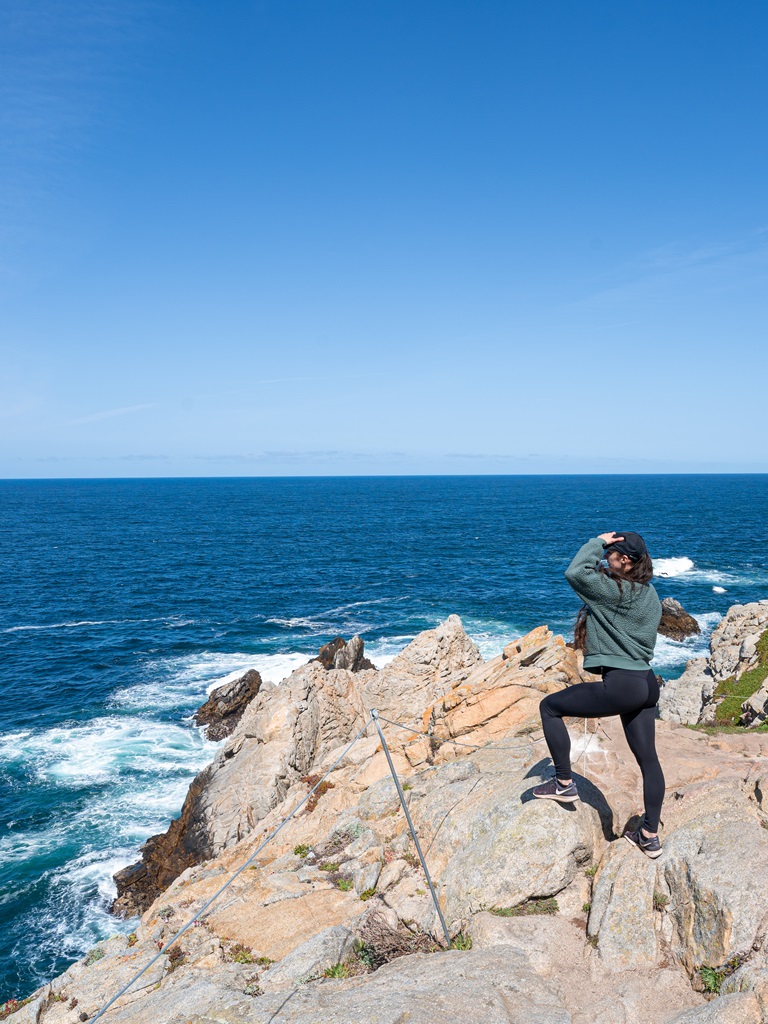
[382,237]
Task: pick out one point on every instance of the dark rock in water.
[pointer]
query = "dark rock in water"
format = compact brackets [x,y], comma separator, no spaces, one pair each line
[226,704]
[349,656]
[676,623]
[327,652]
[165,856]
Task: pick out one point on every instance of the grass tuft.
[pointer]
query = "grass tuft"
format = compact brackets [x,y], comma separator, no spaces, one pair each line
[337,971]
[660,901]
[534,906]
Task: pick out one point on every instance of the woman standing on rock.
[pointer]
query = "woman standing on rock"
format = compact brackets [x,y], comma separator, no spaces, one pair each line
[616,628]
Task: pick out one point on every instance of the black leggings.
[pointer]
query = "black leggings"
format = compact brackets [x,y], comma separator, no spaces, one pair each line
[625,692]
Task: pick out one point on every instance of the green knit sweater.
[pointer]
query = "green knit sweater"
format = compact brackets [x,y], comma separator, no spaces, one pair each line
[621,623]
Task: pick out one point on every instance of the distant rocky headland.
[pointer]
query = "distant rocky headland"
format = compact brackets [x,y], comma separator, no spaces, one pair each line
[554,918]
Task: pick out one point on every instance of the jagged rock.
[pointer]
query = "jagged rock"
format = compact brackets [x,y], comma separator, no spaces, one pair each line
[327,652]
[681,700]
[676,623]
[338,654]
[286,730]
[621,914]
[755,708]
[502,848]
[710,866]
[226,704]
[310,959]
[743,1008]
[486,843]
[742,622]
[732,650]
[501,693]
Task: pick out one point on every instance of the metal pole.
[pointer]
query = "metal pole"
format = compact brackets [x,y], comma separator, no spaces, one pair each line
[375,717]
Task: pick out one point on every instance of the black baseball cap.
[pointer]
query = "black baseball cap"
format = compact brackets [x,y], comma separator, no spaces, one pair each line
[632,545]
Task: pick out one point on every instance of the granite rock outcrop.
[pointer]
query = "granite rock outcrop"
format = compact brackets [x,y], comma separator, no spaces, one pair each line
[226,705]
[676,623]
[732,651]
[332,920]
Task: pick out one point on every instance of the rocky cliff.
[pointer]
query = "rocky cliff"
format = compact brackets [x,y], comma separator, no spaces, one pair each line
[556,919]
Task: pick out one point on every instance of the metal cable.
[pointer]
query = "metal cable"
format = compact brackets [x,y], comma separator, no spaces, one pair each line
[229,881]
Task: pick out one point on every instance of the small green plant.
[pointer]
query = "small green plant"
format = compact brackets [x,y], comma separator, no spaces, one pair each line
[367,893]
[337,971]
[592,940]
[407,786]
[344,884]
[240,954]
[587,907]
[591,872]
[421,892]
[711,978]
[461,941]
[411,858]
[95,954]
[367,956]
[264,961]
[660,901]
[534,906]
[251,987]
[329,865]
[166,913]
[301,850]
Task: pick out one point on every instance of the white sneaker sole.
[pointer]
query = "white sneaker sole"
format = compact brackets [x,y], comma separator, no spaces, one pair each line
[653,854]
[560,799]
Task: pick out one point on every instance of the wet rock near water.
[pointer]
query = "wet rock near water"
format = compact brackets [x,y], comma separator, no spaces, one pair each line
[226,704]
[340,654]
[676,623]
[289,942]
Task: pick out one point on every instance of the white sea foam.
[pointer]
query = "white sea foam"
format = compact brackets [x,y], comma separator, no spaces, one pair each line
[719,590]
[99,750]
[667,567]
[684,569]
[672,654]
[186,682]
[89,622]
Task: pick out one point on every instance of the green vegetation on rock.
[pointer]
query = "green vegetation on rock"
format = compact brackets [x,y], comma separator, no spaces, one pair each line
[534,906]
[735,692]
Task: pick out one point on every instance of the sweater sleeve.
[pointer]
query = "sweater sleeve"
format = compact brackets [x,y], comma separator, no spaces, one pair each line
[586,580]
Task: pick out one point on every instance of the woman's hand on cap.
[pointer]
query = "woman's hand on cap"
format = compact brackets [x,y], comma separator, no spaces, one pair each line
[610,538]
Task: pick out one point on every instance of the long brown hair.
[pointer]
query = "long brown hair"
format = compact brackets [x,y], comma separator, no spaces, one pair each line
[640,572]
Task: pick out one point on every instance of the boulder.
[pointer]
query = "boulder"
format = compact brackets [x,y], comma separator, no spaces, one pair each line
[681,700]
[710,864]
[621,917]
[676,623]
[309,960]
[226,705]
[755,708]
[729,655]
[502,693]
[338,654]
[285,733]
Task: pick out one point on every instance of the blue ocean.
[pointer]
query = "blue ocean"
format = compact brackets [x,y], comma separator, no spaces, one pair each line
[124,602]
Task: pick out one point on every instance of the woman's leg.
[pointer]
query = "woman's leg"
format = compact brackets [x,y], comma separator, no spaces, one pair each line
[640,730]
[611,696]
